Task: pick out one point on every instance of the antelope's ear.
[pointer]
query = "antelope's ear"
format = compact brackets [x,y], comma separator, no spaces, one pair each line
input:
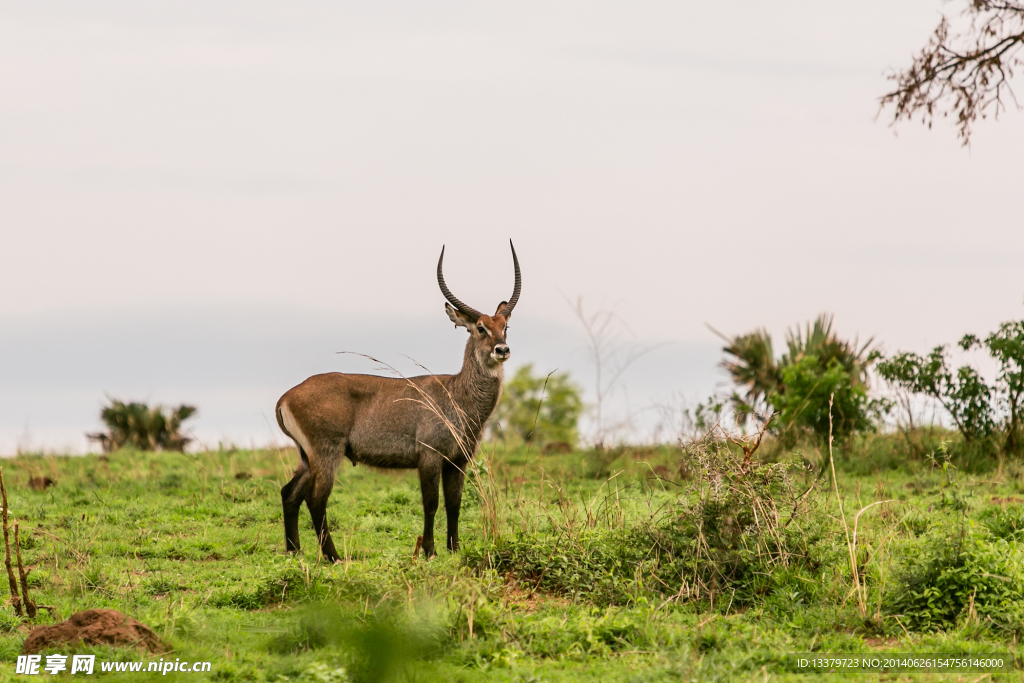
[459,319]
[501,306]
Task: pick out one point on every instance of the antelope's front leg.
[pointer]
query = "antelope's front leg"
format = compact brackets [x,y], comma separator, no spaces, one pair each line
[453,477]
[430,476]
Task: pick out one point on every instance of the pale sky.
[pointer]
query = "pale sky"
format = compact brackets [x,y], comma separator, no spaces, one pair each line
[203,202]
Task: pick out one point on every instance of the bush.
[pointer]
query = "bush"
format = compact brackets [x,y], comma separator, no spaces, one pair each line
[731,533]
[540,409]
[726,536]
[380,646]
[952,571]
[814,392]
[136,425]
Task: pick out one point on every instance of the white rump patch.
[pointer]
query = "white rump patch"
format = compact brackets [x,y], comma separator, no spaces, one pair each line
[293,429]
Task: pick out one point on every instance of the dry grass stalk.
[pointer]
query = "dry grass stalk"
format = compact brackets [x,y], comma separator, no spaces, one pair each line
[860,586]
[13,582]
[842,516]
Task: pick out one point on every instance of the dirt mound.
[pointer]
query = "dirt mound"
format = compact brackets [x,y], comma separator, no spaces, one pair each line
[94,627]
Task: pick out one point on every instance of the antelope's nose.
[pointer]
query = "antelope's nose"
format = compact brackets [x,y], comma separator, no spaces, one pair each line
[502,351]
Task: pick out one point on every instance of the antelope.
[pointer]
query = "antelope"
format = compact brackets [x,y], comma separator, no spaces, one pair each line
[431,423]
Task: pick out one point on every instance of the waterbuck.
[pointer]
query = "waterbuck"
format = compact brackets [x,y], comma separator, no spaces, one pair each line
[431,423]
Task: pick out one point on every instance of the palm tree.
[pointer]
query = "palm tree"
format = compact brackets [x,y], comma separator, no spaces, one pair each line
[819,340]
[752,367]
[750,361]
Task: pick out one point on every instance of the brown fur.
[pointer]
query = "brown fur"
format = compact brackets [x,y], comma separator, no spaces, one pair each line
[40,483]
[431,423]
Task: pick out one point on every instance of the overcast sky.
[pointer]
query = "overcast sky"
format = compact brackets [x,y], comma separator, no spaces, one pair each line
[204,202]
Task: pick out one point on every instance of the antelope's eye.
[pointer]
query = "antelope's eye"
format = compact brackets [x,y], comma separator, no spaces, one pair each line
[480,329]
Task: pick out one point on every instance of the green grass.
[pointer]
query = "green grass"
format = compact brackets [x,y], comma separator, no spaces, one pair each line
[587,566]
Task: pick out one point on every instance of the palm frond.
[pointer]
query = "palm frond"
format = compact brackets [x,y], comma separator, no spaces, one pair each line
[751,363]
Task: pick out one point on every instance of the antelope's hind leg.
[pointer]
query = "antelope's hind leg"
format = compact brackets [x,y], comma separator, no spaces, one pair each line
[292,495]
[317,495]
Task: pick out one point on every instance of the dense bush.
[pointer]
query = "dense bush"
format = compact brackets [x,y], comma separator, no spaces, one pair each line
[136,425]
[539,409]
[729,534]
[957,572]
[822,399]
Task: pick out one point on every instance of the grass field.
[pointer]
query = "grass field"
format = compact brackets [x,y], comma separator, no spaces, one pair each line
[635,565]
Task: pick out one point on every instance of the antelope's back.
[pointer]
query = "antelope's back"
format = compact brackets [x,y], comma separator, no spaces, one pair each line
[372,416]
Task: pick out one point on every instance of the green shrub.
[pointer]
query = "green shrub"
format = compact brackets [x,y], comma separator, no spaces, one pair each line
[729,535]
[951,570]
[813,393]
[596,565]
[1006,523]
[136,425]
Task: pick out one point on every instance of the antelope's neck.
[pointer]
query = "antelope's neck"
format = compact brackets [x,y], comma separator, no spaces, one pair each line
[477,390]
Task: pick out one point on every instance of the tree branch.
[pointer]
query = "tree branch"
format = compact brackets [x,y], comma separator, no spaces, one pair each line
[965,73]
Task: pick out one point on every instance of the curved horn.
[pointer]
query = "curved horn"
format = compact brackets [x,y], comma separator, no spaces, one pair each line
[507,310]
[459,306]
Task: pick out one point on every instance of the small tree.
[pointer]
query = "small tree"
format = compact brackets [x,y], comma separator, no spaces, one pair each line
[964,394]
[972,404]
[611,357]
[136,425]
[540,409]
[1006,345]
